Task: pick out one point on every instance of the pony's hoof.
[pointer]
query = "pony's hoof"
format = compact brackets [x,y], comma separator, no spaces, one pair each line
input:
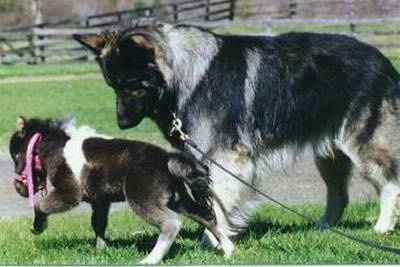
[36,231]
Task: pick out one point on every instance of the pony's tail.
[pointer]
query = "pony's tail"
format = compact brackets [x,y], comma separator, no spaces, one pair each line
[195,177]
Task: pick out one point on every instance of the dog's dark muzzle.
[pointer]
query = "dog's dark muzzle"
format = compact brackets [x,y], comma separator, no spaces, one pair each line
[125,123]
[129,119]
[131,110]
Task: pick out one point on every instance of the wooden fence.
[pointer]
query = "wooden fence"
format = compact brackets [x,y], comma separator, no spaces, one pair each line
[49,42]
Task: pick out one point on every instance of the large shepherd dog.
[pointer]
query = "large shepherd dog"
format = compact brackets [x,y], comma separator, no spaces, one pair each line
[255,102]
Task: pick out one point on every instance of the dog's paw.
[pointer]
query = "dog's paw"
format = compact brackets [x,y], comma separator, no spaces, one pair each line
[149,261]
[209,241]
[100,243]
[228,248]
[321,225]
[383,228]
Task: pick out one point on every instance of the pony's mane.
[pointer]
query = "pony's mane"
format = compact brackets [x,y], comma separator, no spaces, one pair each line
[55,128]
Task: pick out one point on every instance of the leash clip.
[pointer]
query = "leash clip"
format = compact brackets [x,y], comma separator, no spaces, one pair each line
[177,127]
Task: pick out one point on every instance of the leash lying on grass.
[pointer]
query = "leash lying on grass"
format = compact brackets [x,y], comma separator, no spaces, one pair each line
[177,127]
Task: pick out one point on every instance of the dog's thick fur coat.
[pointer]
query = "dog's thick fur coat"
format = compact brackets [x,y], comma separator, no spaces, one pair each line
[85,166]
[255,102]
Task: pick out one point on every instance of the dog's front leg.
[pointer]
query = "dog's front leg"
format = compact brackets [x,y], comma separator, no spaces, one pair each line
[236,200]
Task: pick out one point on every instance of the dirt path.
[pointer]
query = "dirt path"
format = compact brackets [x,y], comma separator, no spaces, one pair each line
[301,184]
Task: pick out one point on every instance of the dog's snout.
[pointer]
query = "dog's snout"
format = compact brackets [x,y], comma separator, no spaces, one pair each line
[124,123]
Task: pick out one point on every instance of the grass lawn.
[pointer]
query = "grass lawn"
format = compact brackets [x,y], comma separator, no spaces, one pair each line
[18,70]
[274,237]
[90,101]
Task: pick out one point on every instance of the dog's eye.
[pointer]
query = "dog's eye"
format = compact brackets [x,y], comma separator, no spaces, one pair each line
[138,93]
[132,80]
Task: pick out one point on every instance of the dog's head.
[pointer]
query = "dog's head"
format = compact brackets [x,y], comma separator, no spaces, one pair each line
[18,147]
[128,59]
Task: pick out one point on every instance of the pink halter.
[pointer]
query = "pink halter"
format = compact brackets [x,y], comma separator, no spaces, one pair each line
[33,162]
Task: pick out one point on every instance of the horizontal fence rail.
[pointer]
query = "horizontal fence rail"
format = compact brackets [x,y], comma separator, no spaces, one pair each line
[52,41]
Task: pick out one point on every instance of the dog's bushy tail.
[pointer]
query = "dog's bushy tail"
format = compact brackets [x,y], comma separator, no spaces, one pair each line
[195,177]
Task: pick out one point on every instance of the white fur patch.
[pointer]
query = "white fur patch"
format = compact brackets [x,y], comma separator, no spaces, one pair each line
[73,153]
[389,207]
[190,53]
[253,61]
[163,244]
[202,131]
[238,199]
[277,159]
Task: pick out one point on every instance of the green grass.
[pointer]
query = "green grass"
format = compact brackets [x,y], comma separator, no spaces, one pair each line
[90,101]
[274,237]
[18,70]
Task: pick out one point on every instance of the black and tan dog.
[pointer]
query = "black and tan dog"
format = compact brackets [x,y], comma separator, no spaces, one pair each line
[85,166]
[255,102]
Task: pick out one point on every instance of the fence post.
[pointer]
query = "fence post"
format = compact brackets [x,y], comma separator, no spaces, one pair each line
[148,12]
[292,8]
[232,9]
[36,50]
[207,17]
[36,7]
[175,12]
[352,24]
[41,48]
[269,28]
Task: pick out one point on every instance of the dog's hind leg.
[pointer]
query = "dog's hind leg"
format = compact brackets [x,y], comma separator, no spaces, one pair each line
[169,224]
[372,149]
[99,221]
[380,168]
[335,170]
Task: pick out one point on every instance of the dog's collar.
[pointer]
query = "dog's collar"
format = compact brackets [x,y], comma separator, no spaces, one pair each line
[176,126]
[32,163]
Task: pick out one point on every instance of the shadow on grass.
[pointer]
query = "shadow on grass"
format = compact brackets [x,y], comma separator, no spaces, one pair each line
[259,227]
[143,243]
[64,242]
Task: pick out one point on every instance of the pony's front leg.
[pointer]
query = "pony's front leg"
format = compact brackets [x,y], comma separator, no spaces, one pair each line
[39,222]
[62,198]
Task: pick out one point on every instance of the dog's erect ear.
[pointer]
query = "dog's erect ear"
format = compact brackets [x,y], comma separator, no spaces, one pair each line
[143,41]
[94,42]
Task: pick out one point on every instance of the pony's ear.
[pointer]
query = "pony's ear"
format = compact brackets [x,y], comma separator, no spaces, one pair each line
[93,42]
[21,121]
[21,126]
